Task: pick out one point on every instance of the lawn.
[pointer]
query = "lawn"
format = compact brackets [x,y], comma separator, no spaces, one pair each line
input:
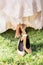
[8,48]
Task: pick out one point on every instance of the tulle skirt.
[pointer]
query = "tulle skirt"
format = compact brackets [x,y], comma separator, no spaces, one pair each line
[14,12]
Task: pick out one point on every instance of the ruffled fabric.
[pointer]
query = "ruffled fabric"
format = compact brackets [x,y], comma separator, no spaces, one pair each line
[14,10]
[21,8]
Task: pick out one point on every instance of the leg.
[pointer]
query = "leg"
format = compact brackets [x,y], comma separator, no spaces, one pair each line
[20,29]
[17,31]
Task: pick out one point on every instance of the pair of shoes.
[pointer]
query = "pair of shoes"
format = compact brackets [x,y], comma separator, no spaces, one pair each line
[24,45]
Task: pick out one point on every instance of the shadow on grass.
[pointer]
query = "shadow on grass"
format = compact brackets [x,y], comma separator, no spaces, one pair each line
[9,34]
[37,47]
[29,29]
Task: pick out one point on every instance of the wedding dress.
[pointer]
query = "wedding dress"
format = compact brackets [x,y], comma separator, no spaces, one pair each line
[15,11]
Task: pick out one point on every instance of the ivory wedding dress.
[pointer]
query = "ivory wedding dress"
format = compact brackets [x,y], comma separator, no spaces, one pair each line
[13,12]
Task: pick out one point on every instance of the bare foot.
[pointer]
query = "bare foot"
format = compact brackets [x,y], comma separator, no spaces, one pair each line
[17,35]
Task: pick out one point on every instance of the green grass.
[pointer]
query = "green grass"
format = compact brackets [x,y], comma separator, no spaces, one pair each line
[8,48]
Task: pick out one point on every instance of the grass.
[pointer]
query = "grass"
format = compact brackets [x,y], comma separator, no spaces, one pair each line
[8,48]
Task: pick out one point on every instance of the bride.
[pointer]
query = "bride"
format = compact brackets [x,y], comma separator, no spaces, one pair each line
[14,12]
